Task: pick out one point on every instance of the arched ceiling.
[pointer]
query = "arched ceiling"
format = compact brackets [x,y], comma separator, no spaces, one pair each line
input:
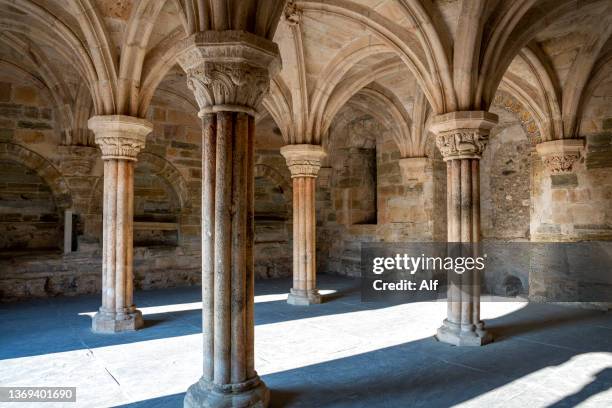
[550,55]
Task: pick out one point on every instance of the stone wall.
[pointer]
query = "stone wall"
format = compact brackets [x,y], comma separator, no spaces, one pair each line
[365,192]
[29,219]
[505,182]
[273,213]
[40,179]
[405,211]
[577,205]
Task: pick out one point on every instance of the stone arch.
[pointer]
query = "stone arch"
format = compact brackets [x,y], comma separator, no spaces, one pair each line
[263,170]
[171,174]
[163,168]
[507,102]
[43,167]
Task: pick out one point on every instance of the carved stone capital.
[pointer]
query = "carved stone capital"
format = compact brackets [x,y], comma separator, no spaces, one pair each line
[120,137]
[303,160]
[462,135]
[229,70]
[292,13]
[77,160]
[559,156]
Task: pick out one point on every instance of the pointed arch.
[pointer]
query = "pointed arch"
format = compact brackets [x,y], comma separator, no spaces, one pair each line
[278,104]
[509,30]
[43,167]
[55,32]
[138,32]
[389,111]
[580,73]
[598,75]
[548,88]
[399,39]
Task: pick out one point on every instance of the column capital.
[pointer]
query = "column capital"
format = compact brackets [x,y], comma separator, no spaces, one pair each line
[560,155]
[120,137]
[463,134]
[229,70]
[303,160]
[292,14]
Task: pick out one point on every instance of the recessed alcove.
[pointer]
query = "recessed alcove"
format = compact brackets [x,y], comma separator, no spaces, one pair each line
[29,219]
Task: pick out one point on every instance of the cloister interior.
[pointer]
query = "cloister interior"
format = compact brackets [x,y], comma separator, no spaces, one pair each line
[186,186]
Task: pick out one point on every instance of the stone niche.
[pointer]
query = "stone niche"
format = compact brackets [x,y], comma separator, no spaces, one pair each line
[355,172]
[29,219]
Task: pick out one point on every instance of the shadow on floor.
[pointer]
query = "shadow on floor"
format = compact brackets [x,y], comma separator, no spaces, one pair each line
[66,329]
[174,400]
[421,373]
[426,373]
[601,383]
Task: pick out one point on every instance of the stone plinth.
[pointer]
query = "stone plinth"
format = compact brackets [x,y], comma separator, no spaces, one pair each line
[304,162]
[462,137]
[120,138]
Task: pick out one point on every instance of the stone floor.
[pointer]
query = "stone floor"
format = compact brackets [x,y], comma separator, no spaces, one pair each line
[342,353]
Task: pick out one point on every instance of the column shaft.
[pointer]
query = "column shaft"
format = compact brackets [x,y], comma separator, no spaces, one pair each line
[209,147]
[120,138]
[229,74]
[304,162]
[461,138]
[227,264]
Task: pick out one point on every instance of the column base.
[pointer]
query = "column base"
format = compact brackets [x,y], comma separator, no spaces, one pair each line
[304,297]
[105,322]
[250,394]
[452,333]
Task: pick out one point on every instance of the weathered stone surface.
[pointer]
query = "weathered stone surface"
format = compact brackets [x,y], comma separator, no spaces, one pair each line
[563,180]
[120,139]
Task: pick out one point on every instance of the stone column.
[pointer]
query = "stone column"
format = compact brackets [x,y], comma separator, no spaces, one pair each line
[120,138]
[229,73]
[304,162]
[462,137]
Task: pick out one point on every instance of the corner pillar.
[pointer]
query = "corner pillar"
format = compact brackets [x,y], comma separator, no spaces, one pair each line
[229,73]
[120,138]
[462,137]
[304,162]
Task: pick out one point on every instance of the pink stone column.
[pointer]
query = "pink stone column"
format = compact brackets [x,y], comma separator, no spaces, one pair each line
[304,162]
[120,139]
[229,73]
[462,138]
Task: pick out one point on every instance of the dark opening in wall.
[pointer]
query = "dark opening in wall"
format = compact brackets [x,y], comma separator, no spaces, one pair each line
[364,200]
[29,219]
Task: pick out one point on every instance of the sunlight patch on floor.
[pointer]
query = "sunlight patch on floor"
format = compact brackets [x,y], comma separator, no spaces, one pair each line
[183,307]
[143,370]
[547,386]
